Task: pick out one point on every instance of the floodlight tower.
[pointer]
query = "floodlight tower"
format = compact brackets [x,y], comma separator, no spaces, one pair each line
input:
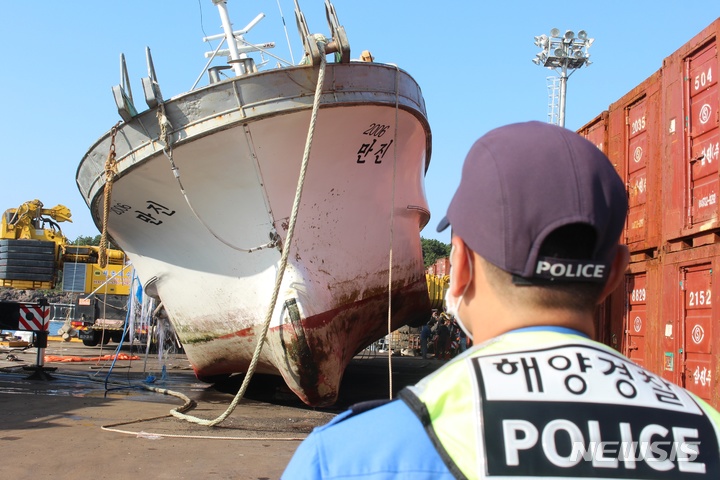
[563,54]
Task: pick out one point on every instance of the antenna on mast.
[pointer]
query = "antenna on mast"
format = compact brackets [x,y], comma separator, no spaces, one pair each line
[229,36]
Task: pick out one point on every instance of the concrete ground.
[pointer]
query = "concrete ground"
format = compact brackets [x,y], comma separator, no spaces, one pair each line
[94,421]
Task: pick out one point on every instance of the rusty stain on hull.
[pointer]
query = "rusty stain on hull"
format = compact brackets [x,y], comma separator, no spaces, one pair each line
[315,351]
[298,352]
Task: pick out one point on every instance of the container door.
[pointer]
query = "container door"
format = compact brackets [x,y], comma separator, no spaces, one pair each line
[635,318]
[597,134]
[704,136]
[636,155]
[696,351]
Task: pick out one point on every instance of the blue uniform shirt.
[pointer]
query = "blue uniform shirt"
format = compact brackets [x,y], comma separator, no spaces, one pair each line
[386,442]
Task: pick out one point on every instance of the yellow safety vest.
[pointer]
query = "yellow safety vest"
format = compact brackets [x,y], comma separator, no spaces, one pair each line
[549,404]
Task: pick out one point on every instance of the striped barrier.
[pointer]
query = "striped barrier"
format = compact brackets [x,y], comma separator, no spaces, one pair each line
[32,317]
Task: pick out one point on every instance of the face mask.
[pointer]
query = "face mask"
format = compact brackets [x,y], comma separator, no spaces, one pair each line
[452,303]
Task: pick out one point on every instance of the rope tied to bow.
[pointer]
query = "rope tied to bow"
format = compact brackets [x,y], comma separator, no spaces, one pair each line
[110,174]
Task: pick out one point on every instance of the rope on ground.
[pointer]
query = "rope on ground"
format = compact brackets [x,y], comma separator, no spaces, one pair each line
[283,259]
[187,405]
[153,436]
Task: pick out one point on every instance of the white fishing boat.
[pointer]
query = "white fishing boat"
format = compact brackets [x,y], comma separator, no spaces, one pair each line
[199,191]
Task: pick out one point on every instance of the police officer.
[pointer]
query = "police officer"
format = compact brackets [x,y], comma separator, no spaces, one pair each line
[535,222]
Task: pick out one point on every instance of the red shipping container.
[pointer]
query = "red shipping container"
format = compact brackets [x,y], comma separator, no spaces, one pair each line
[636,318]
[642,302]
[663,138]
[690,339]
[608,319]
[596,131]
[669,319]
[692,141]
[635,144]
[442,266]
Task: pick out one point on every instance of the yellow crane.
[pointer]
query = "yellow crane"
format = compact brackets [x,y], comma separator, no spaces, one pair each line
[33,248]
[31,221]
[33,253]
[31,243]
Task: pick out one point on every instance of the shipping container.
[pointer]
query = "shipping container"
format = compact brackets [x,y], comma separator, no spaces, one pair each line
[635,323]
[440,267]
[608,320]
[690,340]
[691,142]
[643,301]
[596,131]
[635,147]
[663,138]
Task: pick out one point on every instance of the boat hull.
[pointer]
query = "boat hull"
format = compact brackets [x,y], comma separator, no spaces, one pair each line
[194,232]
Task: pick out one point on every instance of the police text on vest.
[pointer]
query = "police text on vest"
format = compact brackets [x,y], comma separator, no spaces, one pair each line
[662,449]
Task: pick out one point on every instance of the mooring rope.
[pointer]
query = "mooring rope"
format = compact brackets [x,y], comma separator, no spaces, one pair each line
[392,232]
[110,173]
[283,259]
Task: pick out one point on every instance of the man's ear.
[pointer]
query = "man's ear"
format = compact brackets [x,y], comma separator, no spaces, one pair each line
[460,268]
[617,271]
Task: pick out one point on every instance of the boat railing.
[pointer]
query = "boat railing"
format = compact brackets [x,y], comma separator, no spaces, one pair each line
[237,50]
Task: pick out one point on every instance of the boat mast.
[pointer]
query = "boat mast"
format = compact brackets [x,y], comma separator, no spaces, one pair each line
[229,36]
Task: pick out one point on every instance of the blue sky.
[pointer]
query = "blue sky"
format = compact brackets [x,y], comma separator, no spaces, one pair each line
[472,59]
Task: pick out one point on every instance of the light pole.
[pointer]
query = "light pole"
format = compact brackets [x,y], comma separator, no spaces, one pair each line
[562,54]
